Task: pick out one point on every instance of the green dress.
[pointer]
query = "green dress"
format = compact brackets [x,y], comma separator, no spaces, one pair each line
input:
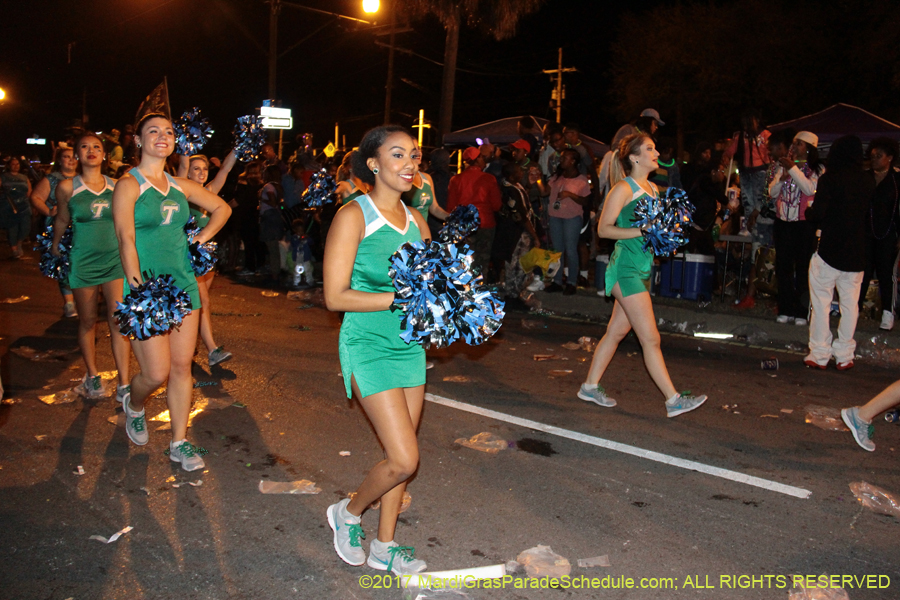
[162,248]
[94,257]
[420,198]
[369,345]
[629,265]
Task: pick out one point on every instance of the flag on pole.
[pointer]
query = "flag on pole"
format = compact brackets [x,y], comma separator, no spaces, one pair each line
[156,102]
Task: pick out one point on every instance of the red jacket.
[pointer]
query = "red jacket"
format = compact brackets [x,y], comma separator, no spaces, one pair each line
[474,186]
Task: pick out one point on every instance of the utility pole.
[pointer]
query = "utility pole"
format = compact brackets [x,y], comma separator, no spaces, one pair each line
[421,125]
[274,10]
[560,91]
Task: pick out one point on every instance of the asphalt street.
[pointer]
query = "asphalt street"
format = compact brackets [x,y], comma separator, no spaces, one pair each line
[278,413]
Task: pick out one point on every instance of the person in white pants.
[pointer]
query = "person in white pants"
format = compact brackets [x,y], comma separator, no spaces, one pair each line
[840,210]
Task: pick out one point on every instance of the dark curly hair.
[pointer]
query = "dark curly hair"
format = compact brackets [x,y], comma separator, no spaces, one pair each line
[368,148]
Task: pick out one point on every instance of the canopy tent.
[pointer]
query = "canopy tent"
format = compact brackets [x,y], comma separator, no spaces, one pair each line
[839,120]
[503,132]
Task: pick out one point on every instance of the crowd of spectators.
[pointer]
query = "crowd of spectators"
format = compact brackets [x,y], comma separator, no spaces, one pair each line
[540,196]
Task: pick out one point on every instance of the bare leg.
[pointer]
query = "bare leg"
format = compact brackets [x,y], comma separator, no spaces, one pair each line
[182,342]
[121,345]
[639,311]
[394,415]
[153,357]
[86,303]
[204,283]
[616,331]
[887,399]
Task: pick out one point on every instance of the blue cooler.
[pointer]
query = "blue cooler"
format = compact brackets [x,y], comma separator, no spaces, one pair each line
[600,264]
[687,276]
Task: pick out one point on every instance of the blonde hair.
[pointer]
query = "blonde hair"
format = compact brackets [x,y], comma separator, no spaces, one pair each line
[620,166]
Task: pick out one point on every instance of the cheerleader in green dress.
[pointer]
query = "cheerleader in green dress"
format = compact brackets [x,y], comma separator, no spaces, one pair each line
[150,209]
[86,202]
[628,277]
[386,375]
[196,168]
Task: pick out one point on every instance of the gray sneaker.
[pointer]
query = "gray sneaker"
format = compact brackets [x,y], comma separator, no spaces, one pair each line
[683,402]
[862,431]
[136,424]
[92,387]
[596,395]
[219,355]
[187,454]
[123,395]
[347,533]
[399,560]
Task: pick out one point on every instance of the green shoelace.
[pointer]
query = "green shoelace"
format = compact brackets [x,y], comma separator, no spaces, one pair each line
[407,553]
[356,533]
[189,450]
[139,423]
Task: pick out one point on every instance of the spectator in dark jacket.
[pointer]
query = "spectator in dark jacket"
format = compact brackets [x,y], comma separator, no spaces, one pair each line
[840,210]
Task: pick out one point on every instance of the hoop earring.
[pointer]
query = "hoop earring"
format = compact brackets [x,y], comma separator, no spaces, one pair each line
[375,170]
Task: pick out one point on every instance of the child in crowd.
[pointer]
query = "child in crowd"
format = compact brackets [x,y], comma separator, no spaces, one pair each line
[301,255]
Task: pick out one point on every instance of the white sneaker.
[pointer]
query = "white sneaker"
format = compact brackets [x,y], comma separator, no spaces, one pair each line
[887,320]
[801,322]
[399,560]
[784,319]
[69,310]
[187,454]
[92,387]
[535,286]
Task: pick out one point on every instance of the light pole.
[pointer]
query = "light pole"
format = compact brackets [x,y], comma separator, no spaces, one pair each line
[275,10]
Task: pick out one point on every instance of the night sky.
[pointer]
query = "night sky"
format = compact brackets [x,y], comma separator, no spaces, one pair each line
[213,53]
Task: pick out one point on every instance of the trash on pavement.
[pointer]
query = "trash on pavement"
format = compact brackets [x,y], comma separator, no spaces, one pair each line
[484,442]
[14,300]
[458,378]
[751,334]
[39,437]
[825,417]
[877,349]
[63,397]
[197,483]
[769,364]
[572,346]
[79,470]
[269,293]
[533,324]
[787,411]
[344,453]
[877,499]
[200,384]
[540,357]
[801,592]
[113,537]
[588,344]
[513,567]
[10,401]
[596,561]
[560,372]
[304,486]
[768,416]
[542,561]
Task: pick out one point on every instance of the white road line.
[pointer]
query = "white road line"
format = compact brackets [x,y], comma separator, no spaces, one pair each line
[624,448]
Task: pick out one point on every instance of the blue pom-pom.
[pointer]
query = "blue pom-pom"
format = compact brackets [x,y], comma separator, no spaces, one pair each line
[191,132]
[441,298]
[203,257]
[152,308]
[56,267]
[249,138]
[665,221]
[320,191]
[462,222]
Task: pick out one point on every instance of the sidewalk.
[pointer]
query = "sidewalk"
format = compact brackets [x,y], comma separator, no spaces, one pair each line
[756,327]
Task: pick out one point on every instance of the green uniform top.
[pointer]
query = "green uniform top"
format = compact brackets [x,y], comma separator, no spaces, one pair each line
[201,215]
[94,257]
[162,247]
[629,265]
[370,347]
[420,198]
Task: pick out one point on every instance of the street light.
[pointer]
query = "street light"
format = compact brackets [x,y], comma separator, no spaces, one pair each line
[2,94]
[370,6]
